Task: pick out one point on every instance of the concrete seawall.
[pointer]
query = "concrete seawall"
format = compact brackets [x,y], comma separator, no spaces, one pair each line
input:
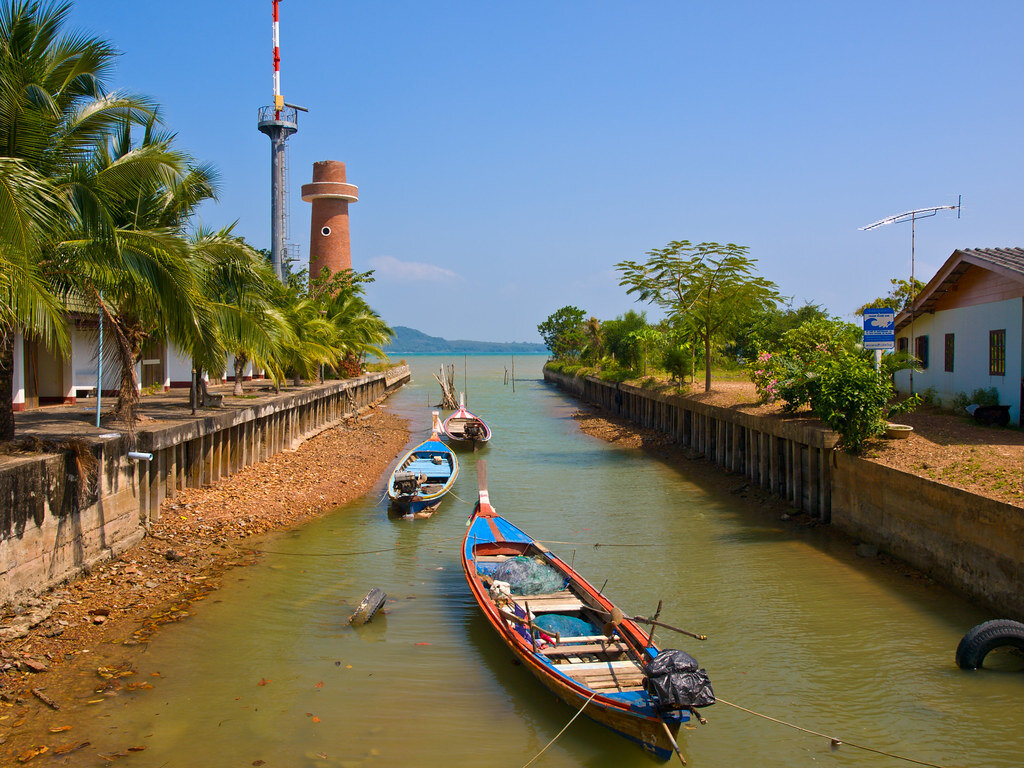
[970,543]
[59,513]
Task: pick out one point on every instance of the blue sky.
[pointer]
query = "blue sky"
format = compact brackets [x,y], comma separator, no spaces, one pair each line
[508,155]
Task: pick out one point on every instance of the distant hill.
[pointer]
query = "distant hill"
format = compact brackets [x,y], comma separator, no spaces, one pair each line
[409,341]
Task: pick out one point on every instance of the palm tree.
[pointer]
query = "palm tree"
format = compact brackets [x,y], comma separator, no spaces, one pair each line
[26,208]
[53,108]
[361,331]
[241,285]
[593,343]
[127,252]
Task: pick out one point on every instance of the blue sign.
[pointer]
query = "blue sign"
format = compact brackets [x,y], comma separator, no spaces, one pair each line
[879,328]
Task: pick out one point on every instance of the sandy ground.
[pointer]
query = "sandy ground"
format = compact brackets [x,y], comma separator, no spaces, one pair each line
[946,447]
[201,533]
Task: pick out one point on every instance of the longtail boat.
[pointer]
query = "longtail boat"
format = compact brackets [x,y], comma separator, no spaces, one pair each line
[463,426]
[601,662]
[424,475]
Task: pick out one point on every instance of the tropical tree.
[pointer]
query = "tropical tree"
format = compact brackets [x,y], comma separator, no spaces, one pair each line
[900,297]
[562,332]
[240,285]
[709,286]
[619,339]
[128,252]
[27,210]
[593,341]
[53,110]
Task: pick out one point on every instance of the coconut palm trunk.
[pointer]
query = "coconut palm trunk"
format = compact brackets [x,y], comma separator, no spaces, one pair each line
[7,385]
[241,359]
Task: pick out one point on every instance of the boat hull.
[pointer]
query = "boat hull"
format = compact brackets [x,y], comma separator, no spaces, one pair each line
[436,464]
[631,715]
[455,427]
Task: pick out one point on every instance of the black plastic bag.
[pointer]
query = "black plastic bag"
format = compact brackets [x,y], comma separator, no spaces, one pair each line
[674,678]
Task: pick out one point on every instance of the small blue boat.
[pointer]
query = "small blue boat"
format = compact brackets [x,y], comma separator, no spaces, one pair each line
[423,476]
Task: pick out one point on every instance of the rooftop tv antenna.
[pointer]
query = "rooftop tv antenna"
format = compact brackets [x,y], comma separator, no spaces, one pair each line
[278,121]
[912,217]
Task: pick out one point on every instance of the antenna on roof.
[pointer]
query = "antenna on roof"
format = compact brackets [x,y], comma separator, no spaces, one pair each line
[912,217]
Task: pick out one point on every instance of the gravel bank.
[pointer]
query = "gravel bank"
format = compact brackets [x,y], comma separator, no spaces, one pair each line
[52,643]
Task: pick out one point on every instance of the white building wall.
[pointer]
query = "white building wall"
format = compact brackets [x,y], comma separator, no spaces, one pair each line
[84,345]
[970,327]
[179,368]
[18,374]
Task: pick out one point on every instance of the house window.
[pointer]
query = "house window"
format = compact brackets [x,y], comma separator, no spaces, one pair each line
[949,352]
[921,350]
[901,344]
[997,353]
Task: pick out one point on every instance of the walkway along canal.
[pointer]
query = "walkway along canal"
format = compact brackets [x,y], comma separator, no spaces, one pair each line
[59,518]
[266,671]
[968,542]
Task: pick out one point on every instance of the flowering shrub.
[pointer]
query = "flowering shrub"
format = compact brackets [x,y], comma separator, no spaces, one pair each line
[790,379]
[823,366]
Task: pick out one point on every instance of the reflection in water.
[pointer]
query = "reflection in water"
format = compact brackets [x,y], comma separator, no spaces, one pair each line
[267,669]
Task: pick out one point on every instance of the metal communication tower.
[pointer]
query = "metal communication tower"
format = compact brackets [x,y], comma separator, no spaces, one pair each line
[279,121]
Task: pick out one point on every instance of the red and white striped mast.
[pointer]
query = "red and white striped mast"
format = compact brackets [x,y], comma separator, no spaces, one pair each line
[278,98]
[278,121]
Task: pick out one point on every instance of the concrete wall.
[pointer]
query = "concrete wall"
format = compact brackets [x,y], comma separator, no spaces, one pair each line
[970,327]
[972,544]
[53,524]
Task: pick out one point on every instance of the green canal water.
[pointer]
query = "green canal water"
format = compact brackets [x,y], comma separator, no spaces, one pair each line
[799,627]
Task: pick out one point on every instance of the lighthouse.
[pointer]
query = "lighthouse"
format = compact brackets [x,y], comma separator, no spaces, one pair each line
[330,193]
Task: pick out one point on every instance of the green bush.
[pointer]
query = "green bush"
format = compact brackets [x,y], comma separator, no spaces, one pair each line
[855,399]
[979,396]
[677,360]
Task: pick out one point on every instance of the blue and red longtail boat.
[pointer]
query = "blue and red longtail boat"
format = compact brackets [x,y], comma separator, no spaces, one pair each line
[424,475]
[597,663]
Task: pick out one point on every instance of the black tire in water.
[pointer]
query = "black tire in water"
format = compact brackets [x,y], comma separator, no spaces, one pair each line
[986,637]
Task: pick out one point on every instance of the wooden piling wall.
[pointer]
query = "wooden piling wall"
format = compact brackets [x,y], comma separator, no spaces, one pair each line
[970,543]
[50,529]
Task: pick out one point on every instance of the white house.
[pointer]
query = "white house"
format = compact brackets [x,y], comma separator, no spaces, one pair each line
[42,377]
[967,326]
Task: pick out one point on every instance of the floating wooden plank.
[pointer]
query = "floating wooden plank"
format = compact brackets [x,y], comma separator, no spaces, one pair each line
[368,607]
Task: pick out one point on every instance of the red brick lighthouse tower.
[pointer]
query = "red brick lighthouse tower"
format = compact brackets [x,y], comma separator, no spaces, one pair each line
[330,195]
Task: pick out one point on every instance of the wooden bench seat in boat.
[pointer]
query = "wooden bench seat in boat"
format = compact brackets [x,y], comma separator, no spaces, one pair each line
[582,648]
[554,602]
[429,468]
[605,675]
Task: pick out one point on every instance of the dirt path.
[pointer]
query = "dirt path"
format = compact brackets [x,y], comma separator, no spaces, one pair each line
[201,533]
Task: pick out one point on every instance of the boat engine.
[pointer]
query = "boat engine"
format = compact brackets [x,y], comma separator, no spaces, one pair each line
[473,430]
[406,483]
[675,680]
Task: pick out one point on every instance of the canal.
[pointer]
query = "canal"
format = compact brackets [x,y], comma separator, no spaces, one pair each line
[267,672]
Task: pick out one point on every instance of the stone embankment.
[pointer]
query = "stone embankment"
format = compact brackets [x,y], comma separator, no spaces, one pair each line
[62,513]
[968,542]
[56,644]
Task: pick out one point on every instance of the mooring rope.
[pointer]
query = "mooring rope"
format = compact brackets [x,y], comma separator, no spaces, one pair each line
[534,758]
[350,554]
[596,544]
[832,739]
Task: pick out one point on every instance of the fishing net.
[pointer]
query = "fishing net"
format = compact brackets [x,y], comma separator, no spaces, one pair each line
[565,626]
[528,576]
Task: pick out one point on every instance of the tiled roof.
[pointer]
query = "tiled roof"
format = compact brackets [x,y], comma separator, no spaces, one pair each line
[1008,258]
[1007,261]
